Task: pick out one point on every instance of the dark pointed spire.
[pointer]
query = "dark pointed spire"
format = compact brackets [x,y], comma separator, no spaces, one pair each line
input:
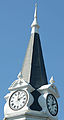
[33,70]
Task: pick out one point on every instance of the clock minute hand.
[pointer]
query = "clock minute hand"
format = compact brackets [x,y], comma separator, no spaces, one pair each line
[53,103]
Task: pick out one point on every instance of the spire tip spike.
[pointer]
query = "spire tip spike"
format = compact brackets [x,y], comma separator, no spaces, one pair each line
[35,14]
[34,25]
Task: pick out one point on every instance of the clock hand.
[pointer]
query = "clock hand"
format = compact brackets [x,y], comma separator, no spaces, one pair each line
[18,96]
[21,97]
[53,104]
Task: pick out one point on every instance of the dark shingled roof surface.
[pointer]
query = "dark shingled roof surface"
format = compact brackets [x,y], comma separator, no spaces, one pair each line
[37,77]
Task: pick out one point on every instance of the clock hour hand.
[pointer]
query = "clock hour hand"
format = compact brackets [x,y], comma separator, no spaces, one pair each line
[21,97]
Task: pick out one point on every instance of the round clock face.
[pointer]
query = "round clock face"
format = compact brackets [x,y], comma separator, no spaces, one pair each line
[18,100]
[52,104]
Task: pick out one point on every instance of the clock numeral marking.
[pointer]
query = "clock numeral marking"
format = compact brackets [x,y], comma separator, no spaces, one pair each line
[17,106]
[12,97]
[12,104]
[18,93]
[15,94]
[55,107]
[23,101]
[20,105]
[24,98]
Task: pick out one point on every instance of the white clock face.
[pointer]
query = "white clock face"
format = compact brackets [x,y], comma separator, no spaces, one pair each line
[52,104]
[18,100]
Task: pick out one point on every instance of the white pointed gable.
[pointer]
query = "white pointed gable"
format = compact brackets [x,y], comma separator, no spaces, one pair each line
[49,88]
[20,84]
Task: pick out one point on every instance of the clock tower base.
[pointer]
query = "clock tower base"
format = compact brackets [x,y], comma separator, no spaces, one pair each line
[30,115]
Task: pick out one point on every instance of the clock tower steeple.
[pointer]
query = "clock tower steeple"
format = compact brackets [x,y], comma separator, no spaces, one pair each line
[33,70]
[31,97]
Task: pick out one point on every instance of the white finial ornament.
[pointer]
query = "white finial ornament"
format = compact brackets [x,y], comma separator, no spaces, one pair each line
[19,75]
[35,26]
[52,80]
[35,14]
